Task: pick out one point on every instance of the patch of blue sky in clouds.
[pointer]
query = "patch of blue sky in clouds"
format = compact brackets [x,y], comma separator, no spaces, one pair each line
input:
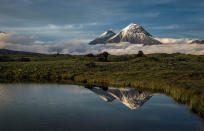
[60,20]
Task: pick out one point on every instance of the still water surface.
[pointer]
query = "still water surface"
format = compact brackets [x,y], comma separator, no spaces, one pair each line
[52,107]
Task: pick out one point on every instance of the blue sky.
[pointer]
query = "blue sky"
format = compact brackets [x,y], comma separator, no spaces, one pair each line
[61,20]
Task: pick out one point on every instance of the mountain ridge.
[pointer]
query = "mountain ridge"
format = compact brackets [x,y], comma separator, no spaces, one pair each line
[197,42]
[14,52]
[103,37]
[2,32]
[133,33]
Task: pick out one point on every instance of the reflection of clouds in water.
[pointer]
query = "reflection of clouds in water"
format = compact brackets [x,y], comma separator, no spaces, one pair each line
[72,89]
[166,105]
[153,118]
[16,42]
[1,89]
[78,90]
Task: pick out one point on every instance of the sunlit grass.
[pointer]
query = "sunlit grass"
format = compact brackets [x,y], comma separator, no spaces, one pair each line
[178,75]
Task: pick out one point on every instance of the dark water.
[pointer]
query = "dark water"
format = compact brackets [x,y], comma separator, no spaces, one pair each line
[36,107]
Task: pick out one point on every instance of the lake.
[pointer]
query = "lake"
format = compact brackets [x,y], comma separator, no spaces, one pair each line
[53,107]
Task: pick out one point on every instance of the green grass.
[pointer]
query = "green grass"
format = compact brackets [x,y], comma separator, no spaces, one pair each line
[177,75]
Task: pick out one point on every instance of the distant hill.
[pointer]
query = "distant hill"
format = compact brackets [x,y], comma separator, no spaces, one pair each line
[197,42]
[2,32]
[6,52]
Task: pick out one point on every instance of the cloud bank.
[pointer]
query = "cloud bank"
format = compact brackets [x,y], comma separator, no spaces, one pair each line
[174,41]
[14,41]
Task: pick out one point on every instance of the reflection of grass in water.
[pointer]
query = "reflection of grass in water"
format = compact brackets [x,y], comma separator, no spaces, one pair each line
[180,76]
[190,97]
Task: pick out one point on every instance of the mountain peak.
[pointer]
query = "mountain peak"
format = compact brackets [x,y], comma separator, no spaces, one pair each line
[103,37]
[135,28]
[132,25]
[133,33]
[108,32]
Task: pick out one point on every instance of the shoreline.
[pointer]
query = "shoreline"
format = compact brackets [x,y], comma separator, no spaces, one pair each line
[177,75]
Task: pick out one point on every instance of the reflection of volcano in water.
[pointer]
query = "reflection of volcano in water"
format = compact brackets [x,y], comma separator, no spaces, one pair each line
[129,97]
[103,94]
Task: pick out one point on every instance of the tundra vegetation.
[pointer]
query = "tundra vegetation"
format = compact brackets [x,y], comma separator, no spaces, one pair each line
[177,75]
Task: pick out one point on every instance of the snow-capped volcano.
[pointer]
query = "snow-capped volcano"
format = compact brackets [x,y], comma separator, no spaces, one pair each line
[134,34]
[102,39]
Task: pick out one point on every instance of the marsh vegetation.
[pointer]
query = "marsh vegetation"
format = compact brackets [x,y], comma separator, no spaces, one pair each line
[177,75]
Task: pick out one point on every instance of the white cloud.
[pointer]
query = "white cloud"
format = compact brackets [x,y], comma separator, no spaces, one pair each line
[202,19]
[174,41]
[57,27]
[126,48]
[48,27]
[16,42]
[4,38]
[169,27]
[55,32]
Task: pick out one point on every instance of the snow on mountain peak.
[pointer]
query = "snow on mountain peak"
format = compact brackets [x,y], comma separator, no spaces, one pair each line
[134,28]
[103,38]
[131,26]
[133,33]
[107,33]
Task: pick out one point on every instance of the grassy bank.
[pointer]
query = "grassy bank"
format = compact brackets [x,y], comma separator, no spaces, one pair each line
[177,75]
